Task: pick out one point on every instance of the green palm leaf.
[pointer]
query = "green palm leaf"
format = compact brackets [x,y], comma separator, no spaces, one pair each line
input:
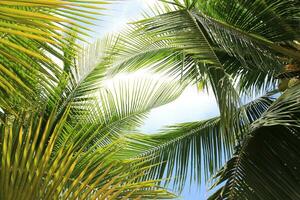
[31,38]
[183,149]
[174,43]
[114,103]
[123,105]
[32,168]
[265,164]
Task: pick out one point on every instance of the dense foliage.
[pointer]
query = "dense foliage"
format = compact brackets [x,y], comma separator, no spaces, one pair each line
[240,50]
[66,133]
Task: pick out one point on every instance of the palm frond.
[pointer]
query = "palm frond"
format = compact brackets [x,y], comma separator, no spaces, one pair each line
[251,81]
[122,104]
[174,43]
[268,47]
[32,168]
[31,38]
[185,149]
[92,64]
[87,70]
[274,20]
[274,25]
[266,163]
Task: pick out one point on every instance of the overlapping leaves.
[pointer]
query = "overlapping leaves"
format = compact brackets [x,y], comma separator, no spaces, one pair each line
[31,44]
[184,148]
[266,164]
[32,168]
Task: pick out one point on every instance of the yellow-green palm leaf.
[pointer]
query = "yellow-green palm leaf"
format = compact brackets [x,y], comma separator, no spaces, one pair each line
[32,39]
[34,165]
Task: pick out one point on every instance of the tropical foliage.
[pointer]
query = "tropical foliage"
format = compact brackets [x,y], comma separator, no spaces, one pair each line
[33,40]
[58,140]
[237,49]
[67,132]
[55,161]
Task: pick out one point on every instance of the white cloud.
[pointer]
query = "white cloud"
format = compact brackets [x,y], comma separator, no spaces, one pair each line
[192,105]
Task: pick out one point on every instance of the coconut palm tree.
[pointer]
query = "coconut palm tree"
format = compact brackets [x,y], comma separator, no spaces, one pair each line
[67,152]
[237,49]
[61,125]
[67,137]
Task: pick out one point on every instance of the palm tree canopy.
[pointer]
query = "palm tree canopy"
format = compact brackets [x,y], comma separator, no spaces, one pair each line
[65,130]
[236,48]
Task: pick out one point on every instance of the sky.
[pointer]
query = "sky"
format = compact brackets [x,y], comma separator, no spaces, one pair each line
[192,105]
[118,14]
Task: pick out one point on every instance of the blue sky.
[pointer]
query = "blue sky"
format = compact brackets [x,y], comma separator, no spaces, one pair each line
[192,105]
